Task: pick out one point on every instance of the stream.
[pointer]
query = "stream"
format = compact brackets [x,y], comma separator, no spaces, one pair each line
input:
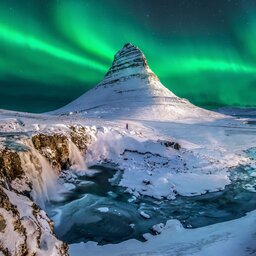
[96,209]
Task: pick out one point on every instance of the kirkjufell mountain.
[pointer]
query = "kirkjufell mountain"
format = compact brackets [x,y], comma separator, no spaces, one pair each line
[131,88]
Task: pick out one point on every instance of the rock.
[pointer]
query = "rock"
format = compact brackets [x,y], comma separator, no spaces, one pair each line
[10,165]
[25,229]
[176,146]
[129,57]
[80,137]
[172,144]
[146,182]
[2,223]
[28,228]
[54,148]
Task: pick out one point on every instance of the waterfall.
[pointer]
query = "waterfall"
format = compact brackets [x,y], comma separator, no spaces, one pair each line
[40,173]
[76,159]
[43,177]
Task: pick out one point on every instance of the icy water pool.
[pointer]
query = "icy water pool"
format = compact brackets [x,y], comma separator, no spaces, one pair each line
[253,122]
[97,210]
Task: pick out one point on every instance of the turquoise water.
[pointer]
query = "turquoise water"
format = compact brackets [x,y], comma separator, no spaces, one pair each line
[98,210]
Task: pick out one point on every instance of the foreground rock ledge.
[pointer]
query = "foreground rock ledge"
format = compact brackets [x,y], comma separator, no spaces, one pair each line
[25,229]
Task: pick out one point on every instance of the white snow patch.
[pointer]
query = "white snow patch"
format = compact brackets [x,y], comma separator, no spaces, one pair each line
[103,209]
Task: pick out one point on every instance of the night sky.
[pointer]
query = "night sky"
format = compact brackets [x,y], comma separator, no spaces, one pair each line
[52,51]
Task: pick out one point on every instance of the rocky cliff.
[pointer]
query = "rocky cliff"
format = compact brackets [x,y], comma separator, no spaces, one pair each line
[25,229]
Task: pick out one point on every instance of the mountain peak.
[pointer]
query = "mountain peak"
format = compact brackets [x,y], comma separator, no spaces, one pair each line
[131,89]
[131,54]
[128,62]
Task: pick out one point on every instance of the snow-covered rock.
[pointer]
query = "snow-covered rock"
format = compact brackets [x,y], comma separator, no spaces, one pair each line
[25,229]
[29,169]
[131,89]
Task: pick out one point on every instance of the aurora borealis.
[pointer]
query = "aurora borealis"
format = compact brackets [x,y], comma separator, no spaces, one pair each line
[53,51]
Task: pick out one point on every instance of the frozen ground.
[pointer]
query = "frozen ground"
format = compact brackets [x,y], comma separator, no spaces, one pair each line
[232,238]
[209,152]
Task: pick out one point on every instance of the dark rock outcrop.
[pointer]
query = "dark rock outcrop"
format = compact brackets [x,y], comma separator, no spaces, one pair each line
[80,137]
[2,223]
[172,144]
[130,58]
[54,148]
[10,165]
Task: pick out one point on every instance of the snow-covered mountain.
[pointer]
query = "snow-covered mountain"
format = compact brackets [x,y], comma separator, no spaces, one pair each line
[130,88]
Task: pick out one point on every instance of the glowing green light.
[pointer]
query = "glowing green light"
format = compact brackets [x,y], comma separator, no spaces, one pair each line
[19,39]
[73,43]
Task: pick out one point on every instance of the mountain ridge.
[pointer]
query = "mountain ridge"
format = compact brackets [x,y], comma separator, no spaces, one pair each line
[132,58]
[131,88]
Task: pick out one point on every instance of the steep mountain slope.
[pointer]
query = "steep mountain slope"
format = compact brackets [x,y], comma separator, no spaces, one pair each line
[131,90]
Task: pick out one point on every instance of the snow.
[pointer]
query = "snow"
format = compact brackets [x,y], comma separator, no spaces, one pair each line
[250,187]
[35,227]
[158,228]
[144,215]
[103,209]
[211,146]
[253,174]
[208,153]
[232,238]
[15,240]
[189,184]
[135,92]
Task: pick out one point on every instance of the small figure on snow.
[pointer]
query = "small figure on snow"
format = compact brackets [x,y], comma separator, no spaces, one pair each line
[127,127]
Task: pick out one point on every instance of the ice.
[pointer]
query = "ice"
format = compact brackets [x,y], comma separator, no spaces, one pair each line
[91,210]
[88,214]
[233,238]
[144,215]
[253,174]
[103,209]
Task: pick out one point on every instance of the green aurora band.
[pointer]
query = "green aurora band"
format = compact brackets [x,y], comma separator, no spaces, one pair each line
[52,53]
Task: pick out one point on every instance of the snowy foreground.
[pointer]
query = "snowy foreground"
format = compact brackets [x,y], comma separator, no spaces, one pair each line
[236,237]
[208,153]
[163,147]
